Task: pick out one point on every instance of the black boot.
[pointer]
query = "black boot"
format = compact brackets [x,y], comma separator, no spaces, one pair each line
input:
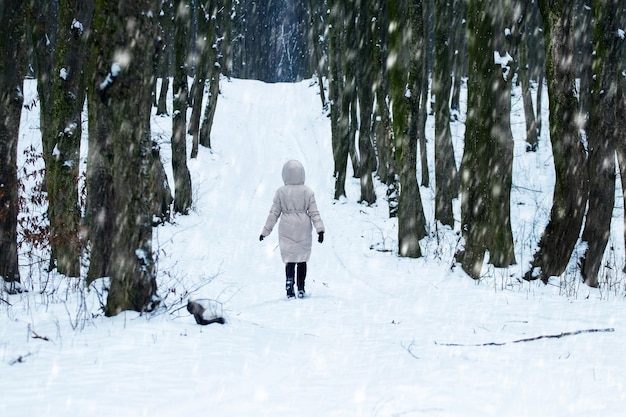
[289,273]
[301,278]
[289,288]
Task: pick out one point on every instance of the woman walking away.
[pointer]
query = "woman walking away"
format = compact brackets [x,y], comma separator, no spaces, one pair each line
[294,203]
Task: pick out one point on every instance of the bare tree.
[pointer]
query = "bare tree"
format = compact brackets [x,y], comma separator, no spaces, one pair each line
[411,222]
[124,40]
[601,135]
[182,178]
[12,65]
[486,169]
[571,186]
[339,121]
[446,173]
[365,77]
[63,161]
[214,12]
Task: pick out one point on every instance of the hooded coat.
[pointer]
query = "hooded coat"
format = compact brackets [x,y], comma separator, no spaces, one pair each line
[294,203]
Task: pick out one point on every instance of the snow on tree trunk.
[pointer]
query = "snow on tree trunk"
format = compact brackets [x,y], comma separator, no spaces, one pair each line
[63,162]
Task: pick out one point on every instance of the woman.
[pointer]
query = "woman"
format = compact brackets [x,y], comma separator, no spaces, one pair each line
[294,203]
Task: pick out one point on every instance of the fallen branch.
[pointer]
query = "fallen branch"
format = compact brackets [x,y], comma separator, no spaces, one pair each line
[532,339]
[20,359]
[37,336]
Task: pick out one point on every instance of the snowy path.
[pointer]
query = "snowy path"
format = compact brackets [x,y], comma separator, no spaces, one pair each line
[363,344]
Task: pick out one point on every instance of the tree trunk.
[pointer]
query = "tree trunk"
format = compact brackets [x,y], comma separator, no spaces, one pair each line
[601,137]
[532,134]
[486,169]
[166,27]
[571,186]
[339,123]
[182,178]
[126,92]
[44,16]
[12,64]
[205,45]
[383,128]
[365,76]
[411,224]
[446,173]
[316,44]
[69,99]
[420,64]
[459,50]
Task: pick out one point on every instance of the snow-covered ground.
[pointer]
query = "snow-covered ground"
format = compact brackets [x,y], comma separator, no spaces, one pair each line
[372,339]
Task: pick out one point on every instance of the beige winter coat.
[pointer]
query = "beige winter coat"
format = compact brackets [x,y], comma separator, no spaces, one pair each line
[294,203]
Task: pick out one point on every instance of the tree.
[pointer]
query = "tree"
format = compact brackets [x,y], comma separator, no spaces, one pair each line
[571,185]
[63,161]
[12,64]
[526,70]
[203,43]
[339,120]
[601,135]
[486,168]
[124,40]
[418,82]
[383,129]
[446,173]
[365,77]
[43,25]
[411,223]
[213,11]
[620,122]
[166,28]
[317,43]
[182,178]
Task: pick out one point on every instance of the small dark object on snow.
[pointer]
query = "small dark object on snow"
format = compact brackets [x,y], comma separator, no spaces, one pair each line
[197,309]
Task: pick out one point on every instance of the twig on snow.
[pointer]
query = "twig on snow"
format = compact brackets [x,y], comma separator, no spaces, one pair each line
[37,336]
[408,348]
[532,339]
[20,359]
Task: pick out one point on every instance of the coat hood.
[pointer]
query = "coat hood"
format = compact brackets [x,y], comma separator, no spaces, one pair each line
[293,173]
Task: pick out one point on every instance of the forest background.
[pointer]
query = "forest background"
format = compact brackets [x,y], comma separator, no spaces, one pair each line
[381,67]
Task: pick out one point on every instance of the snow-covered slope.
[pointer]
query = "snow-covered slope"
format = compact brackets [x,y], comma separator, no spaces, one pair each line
[370,340]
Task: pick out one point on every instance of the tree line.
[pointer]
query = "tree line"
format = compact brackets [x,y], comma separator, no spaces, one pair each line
[576,46]
[386,64]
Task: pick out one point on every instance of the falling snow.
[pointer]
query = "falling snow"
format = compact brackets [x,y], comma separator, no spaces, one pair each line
[368,341]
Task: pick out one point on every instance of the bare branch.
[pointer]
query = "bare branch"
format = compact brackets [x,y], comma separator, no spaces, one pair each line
[532,339]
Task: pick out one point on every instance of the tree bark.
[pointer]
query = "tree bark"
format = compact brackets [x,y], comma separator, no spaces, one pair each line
[339,123]
[213,66]
[486,169]
[124,88]
[446,174]
[571,186]
[182,178]
[365,78]
[68,103]
[12,64]
[601,137]
[411,223]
